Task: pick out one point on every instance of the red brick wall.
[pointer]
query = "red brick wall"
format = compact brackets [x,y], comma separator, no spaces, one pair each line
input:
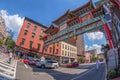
[28,37]
[55,47]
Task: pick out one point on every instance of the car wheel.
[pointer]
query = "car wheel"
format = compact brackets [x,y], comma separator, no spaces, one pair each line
[42,66]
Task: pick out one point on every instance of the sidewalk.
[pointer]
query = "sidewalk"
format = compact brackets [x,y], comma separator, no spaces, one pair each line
[116,78]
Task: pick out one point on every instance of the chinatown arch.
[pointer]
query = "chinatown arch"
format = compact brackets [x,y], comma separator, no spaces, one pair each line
[92,23]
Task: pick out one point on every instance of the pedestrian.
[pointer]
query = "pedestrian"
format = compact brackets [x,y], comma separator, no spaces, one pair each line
[10,57]
[97,64]
[14,55]
[18,55]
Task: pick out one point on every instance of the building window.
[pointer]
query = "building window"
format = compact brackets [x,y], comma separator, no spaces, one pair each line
[56,51]
[62,52]
[65,53]
[57,44]
[23,41]
[68,47]
[46,49]
[28,25]
[31,43]
[41,31]
[35,28]
[38,48]
[50,49]
[33,35]
[40,37]
[63,46]
[68,53]
[72,49]
[25,32]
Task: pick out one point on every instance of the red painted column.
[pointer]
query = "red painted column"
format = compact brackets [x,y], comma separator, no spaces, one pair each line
[91,15]
[109,36]
[80,20]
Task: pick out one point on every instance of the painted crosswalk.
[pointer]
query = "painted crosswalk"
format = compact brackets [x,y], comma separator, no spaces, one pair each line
[7,71]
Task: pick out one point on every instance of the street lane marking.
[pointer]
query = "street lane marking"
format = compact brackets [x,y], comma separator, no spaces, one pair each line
[25,65]
[15,69]
[83,74]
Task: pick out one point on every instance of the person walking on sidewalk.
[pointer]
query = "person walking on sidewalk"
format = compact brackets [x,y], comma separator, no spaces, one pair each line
[10,57]
[97,64]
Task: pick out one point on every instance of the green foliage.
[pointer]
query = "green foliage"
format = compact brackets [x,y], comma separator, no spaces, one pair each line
[105,49]
[1,42]
[119,72]
[9,43]
[94,58]
[81,59]
[113,73]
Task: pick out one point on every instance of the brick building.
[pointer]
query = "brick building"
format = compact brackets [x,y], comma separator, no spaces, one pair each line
[3,32]
[61,51]
[29,40]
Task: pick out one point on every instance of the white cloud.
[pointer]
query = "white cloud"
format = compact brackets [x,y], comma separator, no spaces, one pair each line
[86,47]
[13,22]
[95,35]
[95,46]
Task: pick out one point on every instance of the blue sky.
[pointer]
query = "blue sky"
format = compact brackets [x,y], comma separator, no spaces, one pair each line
[43,11]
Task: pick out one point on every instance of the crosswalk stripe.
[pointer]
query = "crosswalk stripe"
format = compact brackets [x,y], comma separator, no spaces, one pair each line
[6,75]
[7,67]
[3,59]
[6,64]
[15,69]
[7,71]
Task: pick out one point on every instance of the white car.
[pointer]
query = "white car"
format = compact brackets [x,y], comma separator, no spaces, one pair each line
[47,64]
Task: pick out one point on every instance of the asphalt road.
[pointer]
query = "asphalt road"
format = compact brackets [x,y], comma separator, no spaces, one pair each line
[83,72]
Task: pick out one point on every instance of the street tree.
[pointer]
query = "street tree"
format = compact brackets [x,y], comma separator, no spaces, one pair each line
[1,42]
[105,49]
[10,43]
[94,58]
[81,59]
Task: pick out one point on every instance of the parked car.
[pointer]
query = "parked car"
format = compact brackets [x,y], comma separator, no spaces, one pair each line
[47,64]
[33,61]
[27,59]
[73,64]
